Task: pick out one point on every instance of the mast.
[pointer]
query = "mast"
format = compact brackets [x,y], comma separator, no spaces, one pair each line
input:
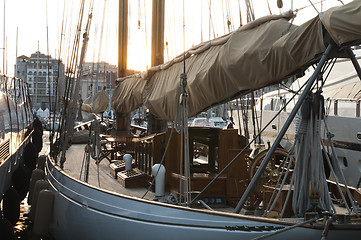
[122,119]
[16,53]
[4,42]
[156,125]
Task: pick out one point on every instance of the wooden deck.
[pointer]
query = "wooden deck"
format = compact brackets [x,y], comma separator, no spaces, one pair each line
[73,166]
[99,175]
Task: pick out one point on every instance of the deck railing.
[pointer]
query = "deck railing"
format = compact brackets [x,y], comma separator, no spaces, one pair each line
[149,151]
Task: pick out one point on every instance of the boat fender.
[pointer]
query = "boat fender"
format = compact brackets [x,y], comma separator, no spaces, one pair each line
[39,185]
[38,125]
[6,229]
[41,162]
[158,171]
[128,161]
[11,205]
[44,212]
[36,175]
[21,181]
[37,140]
[30,155]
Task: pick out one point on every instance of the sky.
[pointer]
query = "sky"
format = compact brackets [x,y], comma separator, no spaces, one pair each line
[38,24]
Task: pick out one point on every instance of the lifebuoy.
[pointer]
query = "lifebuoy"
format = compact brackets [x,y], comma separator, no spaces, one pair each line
[11,205]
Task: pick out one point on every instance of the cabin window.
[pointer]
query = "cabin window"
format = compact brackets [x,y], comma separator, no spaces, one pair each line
[200,154]
[204,150]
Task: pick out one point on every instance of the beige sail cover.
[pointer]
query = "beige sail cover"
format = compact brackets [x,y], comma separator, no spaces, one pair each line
[344,23]
[97,103]
[254,56]
[127,95]
[250,59]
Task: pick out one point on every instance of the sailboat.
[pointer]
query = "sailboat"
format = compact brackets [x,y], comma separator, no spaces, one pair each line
[205,196]
[20,143]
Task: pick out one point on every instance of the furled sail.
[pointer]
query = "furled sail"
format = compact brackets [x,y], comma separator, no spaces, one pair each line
[97,103]
[254,56]
[343,23]
[127,95]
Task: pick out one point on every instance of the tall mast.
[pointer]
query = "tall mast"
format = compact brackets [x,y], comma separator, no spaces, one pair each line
[123,38]
[16,52]
[4,42]
[156,125]
[157,48]
[123,119]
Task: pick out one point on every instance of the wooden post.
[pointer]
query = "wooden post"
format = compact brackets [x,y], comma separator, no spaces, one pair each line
[123,119]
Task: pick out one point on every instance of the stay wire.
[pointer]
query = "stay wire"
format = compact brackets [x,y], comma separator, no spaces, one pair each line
[71,74]
[57,97]
[50,88]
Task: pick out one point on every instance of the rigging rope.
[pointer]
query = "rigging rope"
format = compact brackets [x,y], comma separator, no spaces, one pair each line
[72,90]
[309,171]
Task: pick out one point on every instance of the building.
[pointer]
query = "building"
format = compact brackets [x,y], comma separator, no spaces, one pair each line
[45,78]
[96,77]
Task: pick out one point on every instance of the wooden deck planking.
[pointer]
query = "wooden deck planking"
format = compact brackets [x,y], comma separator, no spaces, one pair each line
[73,165]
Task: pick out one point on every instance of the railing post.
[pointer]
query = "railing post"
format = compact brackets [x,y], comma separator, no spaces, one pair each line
[335,107]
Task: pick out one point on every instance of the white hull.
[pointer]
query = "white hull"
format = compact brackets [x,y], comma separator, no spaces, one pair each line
[82,211]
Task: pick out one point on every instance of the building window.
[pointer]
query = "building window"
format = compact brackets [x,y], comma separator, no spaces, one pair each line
[30,73]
